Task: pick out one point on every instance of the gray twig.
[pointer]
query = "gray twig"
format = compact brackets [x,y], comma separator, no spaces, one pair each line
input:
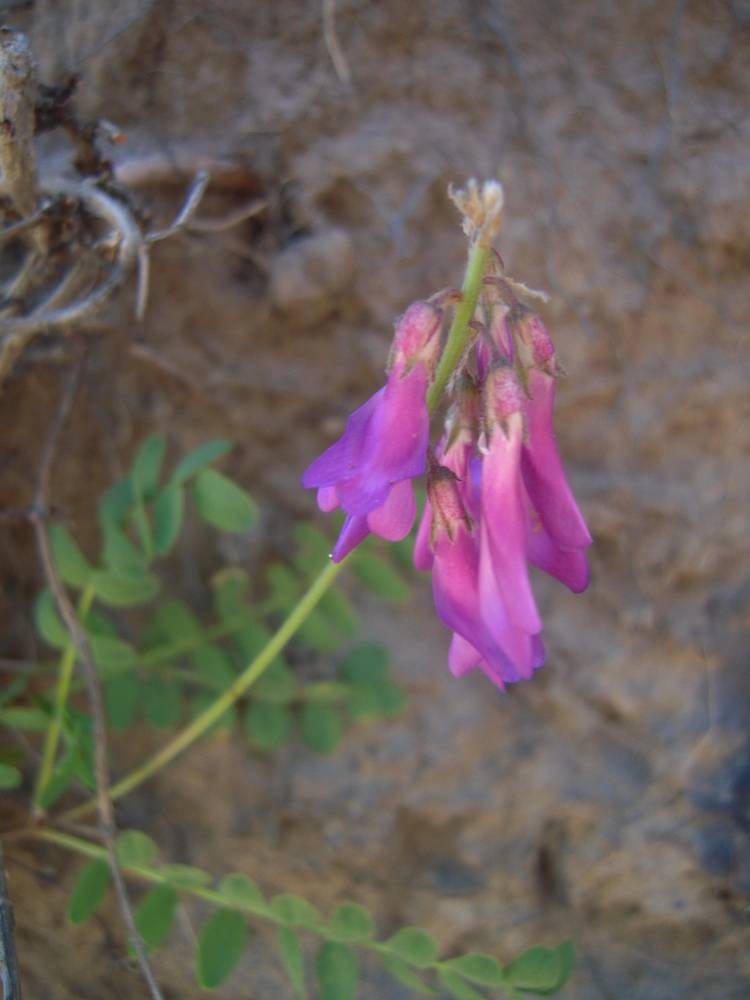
[86,659]
[8,964]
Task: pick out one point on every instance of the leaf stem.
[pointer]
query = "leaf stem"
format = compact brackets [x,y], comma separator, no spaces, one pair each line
[219,706]
[62,690]
[459,332]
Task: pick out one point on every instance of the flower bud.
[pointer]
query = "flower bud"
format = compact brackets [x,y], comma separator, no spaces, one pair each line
[535,347]
[444,495]
[503,396]
[417,337]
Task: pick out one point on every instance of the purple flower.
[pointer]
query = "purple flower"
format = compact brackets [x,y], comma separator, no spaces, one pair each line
[368,471]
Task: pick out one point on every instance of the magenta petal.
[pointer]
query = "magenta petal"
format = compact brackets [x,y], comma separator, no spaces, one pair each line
[422,548]
[543,471]
[394,446]
[328,498]
[503,514]
[353,532]
[569,566]
[516,644]
[462,656]
[342,458]
[394,519]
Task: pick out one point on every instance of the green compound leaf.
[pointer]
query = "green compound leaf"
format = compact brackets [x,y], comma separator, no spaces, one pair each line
[313,549]
[378,576]
[124,591]
[338,611]
[48,623]
[116,503]
[154,915]
[294,911]
[111,653]
[214,666]
[169,509]
[121,555]
[71,563]
[162,702]
[231,588]
[240,890]
[457,987]
[222,503]
[401,971]
[135,849]
[283,585]
[147,466]
[184,876]
[277,684]
[267,725]
[292,959]
[336,968]
[541,970]
[222,940]
[121,697]
[25,718]
[350,923]
[10,777]
[317,633]
[88,892]
[320,726]
[176,622]
[366,663]
[479,968]
[414,946]
[199,458]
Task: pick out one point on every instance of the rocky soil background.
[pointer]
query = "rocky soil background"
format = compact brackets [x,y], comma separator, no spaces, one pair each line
[608,800]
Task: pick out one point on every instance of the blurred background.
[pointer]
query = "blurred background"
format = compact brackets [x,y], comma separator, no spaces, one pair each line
[609,800]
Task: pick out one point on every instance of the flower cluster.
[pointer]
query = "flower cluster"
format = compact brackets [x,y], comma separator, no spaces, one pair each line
[497,497]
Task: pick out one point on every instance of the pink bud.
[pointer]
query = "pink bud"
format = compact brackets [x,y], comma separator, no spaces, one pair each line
[446,502]
[503,395]
[417,336]
[535,347]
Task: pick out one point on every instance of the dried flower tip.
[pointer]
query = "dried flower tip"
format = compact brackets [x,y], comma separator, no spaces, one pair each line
[481,208]
[524,290]
[448,510]
[416,337]
[502,394]
[535,347]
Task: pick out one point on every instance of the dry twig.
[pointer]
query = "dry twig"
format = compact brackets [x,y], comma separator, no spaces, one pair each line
[105,810]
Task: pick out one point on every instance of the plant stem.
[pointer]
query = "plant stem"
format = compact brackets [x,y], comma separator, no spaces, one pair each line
[217,708]
[64,678]
[459,332]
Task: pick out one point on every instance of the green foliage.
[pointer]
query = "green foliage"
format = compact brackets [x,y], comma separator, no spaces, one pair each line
[154,915]
[292,959]
[222,940]
[88,892]
[336,968]
[223,503]
[160,664]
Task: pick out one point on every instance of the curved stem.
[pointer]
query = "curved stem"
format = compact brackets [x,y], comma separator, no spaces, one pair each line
[459,332]
[64,678]
[203,722]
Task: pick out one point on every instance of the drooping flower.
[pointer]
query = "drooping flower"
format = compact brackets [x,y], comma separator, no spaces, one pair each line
[368,471]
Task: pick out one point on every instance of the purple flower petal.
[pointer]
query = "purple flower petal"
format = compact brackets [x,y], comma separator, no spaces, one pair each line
[543,471]
[569,566]
[503,515]
[342,458]
[422,548]
[394,519]
[328,498]
[462,656]
[353,531]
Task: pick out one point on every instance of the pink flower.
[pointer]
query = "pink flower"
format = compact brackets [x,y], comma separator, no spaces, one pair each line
[368,471]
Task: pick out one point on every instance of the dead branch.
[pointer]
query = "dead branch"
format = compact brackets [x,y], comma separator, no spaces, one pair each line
[8,963]
[79,637]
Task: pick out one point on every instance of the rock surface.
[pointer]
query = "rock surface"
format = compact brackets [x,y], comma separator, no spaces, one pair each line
[608,800]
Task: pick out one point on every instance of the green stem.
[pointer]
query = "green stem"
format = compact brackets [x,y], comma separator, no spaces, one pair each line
[62,690]
[201,723]
[458,336]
